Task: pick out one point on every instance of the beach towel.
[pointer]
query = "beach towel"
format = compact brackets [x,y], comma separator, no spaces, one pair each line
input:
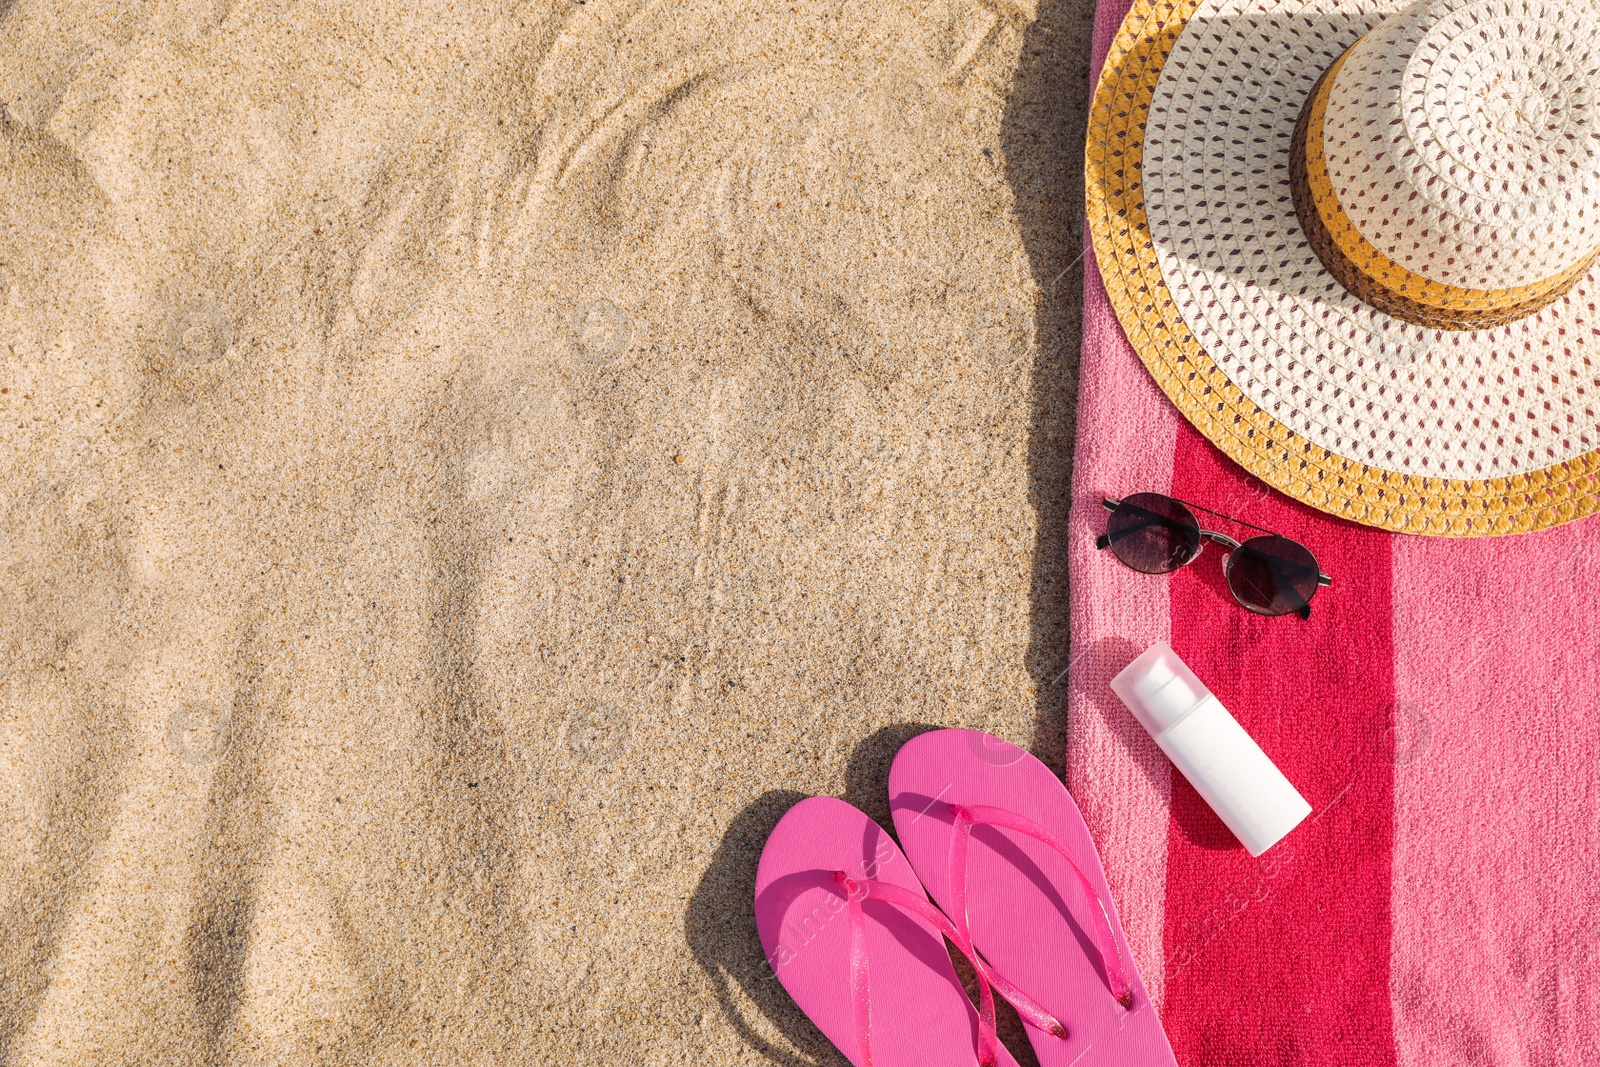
[1439,710]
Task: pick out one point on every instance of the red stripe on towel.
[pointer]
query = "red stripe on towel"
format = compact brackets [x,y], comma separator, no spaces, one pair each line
[1284,960]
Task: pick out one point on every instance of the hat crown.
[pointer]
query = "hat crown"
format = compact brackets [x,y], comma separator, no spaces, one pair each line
[1463,139]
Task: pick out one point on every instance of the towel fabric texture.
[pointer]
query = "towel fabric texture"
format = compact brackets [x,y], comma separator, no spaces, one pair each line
[1439,711]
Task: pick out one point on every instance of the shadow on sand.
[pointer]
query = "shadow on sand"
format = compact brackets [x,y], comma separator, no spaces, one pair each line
[721,928]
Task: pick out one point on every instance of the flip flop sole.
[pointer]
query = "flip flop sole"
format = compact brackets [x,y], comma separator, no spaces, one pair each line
[920,1015]
[1025,909]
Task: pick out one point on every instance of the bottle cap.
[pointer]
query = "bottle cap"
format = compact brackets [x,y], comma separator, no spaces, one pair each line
[1159,688]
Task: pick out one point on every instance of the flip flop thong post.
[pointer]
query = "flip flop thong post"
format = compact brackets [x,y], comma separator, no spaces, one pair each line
[850,933]
[1002,849]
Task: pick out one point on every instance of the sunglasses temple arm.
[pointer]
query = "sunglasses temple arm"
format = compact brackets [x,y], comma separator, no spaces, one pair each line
[1103,542]
[1105,539]
[1322,579]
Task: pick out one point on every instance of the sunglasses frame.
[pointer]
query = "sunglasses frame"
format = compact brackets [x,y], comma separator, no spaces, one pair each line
[1103,542]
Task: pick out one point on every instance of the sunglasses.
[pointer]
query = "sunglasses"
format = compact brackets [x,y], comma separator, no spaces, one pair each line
[1269,575]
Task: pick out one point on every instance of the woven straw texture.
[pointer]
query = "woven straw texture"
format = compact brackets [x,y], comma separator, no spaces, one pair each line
[1334,402]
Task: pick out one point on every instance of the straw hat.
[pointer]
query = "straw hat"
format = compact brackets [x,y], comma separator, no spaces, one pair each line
[1355,242]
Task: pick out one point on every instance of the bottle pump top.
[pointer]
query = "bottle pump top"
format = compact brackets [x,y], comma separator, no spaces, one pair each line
[1159,688]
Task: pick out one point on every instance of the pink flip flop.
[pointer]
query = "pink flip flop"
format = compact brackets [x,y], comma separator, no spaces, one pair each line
[1002,849]
[851,935]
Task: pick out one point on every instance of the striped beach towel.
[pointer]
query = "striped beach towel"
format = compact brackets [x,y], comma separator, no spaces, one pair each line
[1440,711]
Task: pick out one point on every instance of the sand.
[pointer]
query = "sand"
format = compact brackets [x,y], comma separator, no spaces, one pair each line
[466,468]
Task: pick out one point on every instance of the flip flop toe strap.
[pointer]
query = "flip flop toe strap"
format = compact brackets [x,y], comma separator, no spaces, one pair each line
[858,890]
[966,817]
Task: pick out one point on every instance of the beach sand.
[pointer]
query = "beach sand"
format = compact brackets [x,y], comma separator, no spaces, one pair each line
[467,468]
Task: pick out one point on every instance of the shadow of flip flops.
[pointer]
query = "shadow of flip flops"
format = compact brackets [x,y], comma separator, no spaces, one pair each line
[720,927]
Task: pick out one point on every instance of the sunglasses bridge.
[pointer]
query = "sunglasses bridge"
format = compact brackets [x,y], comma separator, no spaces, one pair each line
[1220,538]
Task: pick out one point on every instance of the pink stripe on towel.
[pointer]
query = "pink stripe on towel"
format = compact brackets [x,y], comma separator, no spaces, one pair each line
[1126,431]
[1496,955]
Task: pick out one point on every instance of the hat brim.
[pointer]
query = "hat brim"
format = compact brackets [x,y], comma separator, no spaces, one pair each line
[1272,451]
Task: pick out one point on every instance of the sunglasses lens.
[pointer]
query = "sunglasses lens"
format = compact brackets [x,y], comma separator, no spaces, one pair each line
[1272,575]
[1153,533]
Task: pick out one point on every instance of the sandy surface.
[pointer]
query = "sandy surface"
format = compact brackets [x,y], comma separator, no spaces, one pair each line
[466,468]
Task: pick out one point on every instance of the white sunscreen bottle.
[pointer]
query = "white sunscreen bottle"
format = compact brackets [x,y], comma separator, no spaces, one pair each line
[1225,766]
